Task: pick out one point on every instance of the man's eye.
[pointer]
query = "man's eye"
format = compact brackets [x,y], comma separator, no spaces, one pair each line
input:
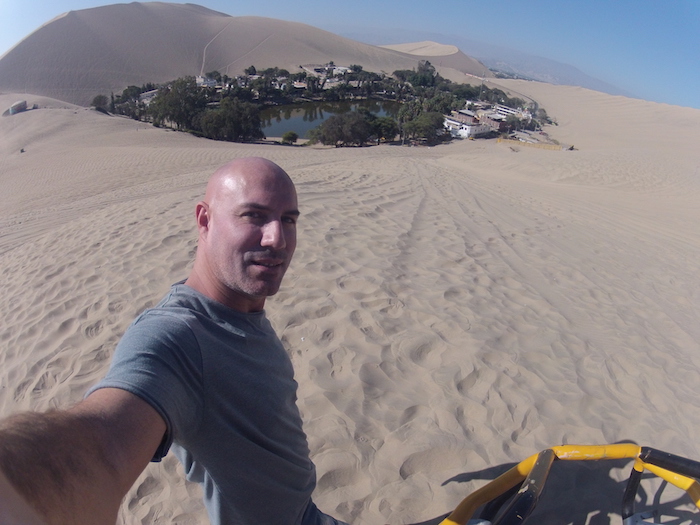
[290,220]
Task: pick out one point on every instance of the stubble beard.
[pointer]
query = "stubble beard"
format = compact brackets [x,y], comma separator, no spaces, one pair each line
[251,281]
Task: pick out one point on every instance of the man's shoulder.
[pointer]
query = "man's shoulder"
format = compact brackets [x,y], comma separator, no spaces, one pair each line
[183,309]
[172,319]
[179,303]
[180,296]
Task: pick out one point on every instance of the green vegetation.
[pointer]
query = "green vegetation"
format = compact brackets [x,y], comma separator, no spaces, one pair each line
[290,137]
[100,103]
[235,121]
[223,108]
[355,128]
[427,125]
[385,128]
[180,103]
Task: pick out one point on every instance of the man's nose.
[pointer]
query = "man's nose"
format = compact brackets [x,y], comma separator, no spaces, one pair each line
[273,235]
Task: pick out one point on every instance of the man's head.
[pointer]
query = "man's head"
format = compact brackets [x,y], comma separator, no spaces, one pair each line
[247,233]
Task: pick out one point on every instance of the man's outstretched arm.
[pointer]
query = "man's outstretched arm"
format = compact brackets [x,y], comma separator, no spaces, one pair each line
[13,509]
[75,466]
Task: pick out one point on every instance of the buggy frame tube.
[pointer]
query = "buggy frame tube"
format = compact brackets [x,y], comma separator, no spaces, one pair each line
[677,470]
[529,494]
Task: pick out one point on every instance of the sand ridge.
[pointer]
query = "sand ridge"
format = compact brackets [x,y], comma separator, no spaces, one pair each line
[449,310]
[425,48]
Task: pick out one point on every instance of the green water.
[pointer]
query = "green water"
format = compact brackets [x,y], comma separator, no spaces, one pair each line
[301,118]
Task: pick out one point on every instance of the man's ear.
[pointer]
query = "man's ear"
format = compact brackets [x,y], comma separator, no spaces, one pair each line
[202,216]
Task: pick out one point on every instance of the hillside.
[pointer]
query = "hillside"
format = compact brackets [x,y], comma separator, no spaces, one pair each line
[84,53]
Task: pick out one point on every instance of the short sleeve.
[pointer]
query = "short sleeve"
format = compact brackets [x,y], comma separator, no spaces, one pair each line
[158,359]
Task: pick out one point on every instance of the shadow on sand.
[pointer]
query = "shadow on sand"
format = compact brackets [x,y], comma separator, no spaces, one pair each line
[588,493]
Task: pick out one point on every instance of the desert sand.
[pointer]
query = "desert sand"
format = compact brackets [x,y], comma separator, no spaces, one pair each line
[450,310]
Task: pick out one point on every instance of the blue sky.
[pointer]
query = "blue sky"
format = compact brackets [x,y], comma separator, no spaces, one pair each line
[648,48]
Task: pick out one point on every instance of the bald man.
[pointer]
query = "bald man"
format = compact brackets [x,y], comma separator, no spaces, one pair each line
[202,374]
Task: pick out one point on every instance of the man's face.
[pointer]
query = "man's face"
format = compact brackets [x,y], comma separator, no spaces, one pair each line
[251,237]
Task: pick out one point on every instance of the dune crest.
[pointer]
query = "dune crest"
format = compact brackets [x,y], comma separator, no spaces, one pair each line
[425,48]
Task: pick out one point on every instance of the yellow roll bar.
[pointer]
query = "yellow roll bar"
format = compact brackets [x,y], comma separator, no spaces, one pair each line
[465,510]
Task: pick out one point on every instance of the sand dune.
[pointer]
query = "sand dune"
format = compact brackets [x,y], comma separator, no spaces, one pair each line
[450,310]
[445,58]
[102,50]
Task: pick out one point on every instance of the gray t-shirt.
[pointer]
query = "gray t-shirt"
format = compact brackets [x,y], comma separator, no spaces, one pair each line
[225,387]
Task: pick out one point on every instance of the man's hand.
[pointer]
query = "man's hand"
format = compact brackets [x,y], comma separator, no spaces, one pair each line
[75,466]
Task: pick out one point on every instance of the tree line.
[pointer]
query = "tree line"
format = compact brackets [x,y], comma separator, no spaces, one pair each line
[231,112]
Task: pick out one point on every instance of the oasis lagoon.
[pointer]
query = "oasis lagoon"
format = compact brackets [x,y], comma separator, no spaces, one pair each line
[301,118]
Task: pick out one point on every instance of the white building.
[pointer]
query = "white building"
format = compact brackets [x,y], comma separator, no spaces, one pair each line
[148,96]
[506,111]
[466,130]
[205,82]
